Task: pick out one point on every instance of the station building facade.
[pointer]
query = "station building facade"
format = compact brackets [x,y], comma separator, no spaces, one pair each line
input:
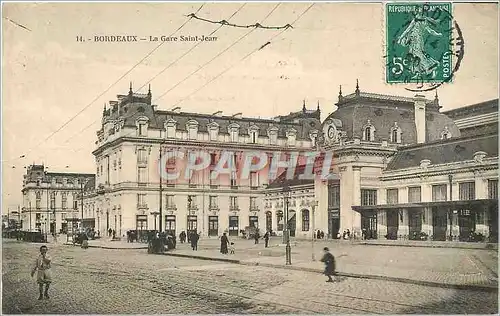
[126,194]
[402,169]
[50,199]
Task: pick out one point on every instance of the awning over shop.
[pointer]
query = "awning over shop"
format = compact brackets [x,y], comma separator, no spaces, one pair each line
[442,204]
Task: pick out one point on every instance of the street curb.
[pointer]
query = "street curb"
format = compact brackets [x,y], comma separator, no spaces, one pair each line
[484,288]
[202,257]
[105,247]
[430,246]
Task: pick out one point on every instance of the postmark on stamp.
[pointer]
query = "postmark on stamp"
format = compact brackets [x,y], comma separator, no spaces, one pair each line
[424,45]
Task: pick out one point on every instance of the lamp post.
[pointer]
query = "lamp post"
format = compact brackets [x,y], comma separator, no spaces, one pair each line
[288,250]
[313,207]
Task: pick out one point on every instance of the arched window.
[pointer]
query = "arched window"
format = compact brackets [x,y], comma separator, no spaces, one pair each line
[279,220]
[395,134]
[305,220]
[368,132]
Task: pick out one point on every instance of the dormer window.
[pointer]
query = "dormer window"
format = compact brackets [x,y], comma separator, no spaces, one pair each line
[446,134]
[213,131]
[272,132]
[233,130]
[313,136]
[291,135]
[171,128]
[253,132]
[368,132]
[192,129]
[395,134]
[142,126]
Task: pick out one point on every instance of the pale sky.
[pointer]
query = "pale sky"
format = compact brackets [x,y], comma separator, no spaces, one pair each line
[48,76]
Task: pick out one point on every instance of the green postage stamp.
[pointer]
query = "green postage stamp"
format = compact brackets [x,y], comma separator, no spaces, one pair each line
[419,42]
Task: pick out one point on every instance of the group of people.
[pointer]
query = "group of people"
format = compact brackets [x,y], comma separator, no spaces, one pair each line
[320,234]
[192,237]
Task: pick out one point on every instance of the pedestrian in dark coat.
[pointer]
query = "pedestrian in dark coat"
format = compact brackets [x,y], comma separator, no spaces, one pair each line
[318,234]
[256,237]
[194,240]
[266,239]
[329,261]
[224,241]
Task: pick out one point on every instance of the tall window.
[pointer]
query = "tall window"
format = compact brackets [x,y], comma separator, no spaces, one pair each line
[439,192]
[192,202]
[75,204]
[414,195]
[170,224]
[52,201]
[234,135]
[305,220]
[368,197]
[273,137]
[254,179]
[253,203]
[392,196]
[253,137]
[279,220]
[141,200]
[142,129]
[171,170]
[64,201]
[38,199]
[334,196]
[170,201]
[467,190]
[233,202]
[142,156]
[212,202]
[492,189]
[142,175]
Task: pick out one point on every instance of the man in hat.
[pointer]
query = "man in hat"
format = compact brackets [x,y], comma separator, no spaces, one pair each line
[329,261]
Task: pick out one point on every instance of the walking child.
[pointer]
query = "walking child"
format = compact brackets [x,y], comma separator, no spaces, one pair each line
[231,249]
[42,265]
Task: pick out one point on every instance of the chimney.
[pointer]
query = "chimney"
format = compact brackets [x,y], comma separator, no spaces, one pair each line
[177,109]
[419,101]
[218,113]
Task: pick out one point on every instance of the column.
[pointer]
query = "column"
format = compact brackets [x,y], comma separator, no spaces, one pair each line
[356,194]
[381,224]
[427,220]
[381,215]
[321,195]
[346,220]
[404,229]
[481,187]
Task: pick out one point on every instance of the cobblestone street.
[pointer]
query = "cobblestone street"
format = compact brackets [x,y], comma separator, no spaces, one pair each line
[103,281]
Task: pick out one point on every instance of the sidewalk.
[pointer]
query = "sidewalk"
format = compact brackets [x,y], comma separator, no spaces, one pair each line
[455,268]
[470,268]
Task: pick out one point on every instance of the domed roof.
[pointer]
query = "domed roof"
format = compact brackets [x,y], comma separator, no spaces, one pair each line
[384,113]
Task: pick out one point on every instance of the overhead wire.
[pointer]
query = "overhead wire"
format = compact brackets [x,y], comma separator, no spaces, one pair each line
[245,57]
[109,87]
[162,71]
[215,57]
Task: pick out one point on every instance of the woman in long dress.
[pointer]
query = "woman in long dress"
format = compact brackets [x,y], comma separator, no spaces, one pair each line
[224,241]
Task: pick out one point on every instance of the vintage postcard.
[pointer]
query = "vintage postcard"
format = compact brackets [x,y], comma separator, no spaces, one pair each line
[250,157]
